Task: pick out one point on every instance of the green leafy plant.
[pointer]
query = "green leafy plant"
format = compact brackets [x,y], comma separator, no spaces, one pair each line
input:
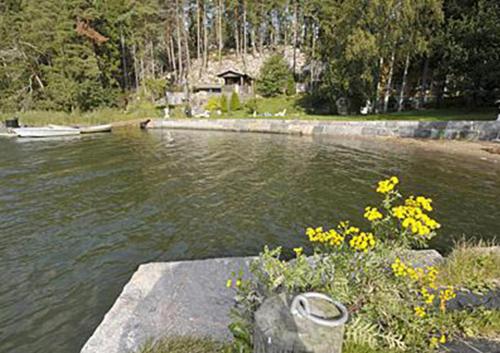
[392,303]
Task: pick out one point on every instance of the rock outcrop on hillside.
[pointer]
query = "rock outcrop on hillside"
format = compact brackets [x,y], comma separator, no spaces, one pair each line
[251,64]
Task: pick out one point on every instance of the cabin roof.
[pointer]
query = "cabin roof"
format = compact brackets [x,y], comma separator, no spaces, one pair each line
[232,73]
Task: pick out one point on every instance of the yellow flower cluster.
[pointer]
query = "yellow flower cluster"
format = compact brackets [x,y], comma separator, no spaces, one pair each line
[331,237]
[413,218]
[426,277]
[386,186]
[362,242]
[445,295]
[434,343]
[372,214]
[420,312]
[428,297]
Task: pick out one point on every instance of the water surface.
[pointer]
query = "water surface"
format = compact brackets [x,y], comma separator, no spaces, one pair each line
[77,216]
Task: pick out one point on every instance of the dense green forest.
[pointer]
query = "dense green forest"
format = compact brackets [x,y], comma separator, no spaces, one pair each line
[84,54]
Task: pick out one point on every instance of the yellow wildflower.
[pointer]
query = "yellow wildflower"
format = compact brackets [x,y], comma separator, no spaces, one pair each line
[399,268]
[314,234]
[399,212]
[446,295]
[388,185]
[442,340]
[352,230]
[419,311]
[428,297]
[434,342]
[362,242]
[335,238]
[238,283]
[425,203]
[298,251]
[229,283]
[372,214]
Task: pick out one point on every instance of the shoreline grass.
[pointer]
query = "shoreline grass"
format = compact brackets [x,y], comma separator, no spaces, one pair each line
[101,116]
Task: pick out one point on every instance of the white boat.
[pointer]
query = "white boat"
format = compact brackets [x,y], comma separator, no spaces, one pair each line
[39,132]
[96,129]
[86,129]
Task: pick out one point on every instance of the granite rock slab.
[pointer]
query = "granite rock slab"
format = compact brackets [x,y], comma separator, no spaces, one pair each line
[187,298]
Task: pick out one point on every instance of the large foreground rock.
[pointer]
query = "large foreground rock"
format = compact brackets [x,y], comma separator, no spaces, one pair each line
[176,298]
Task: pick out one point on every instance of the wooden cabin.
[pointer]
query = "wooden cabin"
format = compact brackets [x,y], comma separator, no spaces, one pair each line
[238,82]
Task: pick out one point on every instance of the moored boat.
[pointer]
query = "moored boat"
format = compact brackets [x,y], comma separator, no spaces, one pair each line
[40,132]
[87,129]
[96,129]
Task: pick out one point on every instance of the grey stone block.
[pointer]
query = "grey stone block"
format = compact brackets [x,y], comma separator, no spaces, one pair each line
[176,298]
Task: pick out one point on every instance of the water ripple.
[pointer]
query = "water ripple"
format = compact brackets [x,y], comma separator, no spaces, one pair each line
[77,216]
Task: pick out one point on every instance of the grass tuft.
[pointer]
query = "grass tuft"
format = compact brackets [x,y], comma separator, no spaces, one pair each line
[185,345]
[474,266]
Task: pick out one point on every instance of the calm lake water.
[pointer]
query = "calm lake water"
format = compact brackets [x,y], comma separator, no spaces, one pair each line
[78,216]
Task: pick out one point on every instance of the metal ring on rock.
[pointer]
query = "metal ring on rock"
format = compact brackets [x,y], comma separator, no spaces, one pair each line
[300,307]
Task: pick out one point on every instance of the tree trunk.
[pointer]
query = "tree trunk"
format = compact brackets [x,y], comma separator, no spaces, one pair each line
[388,87]
[124,60]
[262,28]
[136,69]
[295,25]
[172,58]
[219,26]
[376,101]
[179,39]
[205,37]
[236,30]
[198,31]
[152,63]
[313,50]
[403,84]
[423,86]
[252,39]
[245,36]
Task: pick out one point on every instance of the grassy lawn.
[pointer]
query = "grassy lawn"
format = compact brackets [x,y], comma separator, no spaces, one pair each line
[264,105]
[294,111]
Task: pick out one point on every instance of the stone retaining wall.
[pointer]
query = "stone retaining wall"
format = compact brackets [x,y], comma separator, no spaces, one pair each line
[467,130]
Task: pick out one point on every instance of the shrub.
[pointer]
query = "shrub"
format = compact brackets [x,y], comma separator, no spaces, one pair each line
[213,104]
[291,90]
[156,87]
[223,103]
[392,304]
[235,102]
[251,105]
[274,76]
